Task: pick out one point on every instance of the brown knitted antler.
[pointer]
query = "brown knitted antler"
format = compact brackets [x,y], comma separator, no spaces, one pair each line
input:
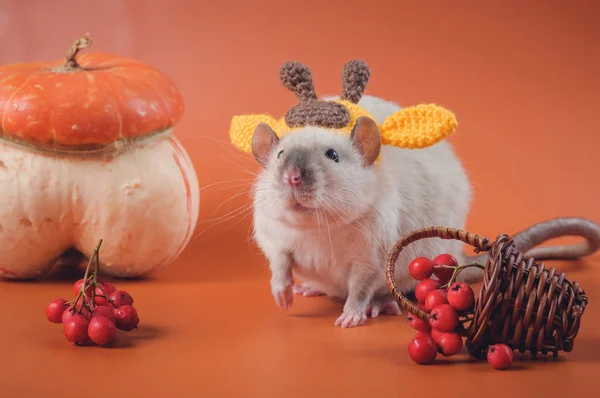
[355,76]
[297,78]
[310,111]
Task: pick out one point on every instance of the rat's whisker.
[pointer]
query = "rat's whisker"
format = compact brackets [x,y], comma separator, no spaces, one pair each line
[229,216]
[349,192]
[345,178]
[355,195]
[224,144]
[318,218]
[249,213]
[350,223]
[231,150]
[242,168]
[246,192]
[258,192]
[250,240]
[231,187]
[328,228]
[240,181]
[325,165]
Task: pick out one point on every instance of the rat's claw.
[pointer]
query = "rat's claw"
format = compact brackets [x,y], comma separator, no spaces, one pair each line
[283,297]
[350,319]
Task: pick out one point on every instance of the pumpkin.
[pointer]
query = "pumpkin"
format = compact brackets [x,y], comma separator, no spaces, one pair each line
[87,152]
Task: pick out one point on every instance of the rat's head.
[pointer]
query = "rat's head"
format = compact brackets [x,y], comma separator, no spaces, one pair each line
[321,155]
[312,170]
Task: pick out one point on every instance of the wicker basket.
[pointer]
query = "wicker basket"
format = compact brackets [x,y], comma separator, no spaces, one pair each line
[523,304]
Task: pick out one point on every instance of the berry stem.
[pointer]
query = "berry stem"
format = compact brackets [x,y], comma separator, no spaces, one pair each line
[94,283]
[97,266]
[457,270]
[76,301]
[85,283]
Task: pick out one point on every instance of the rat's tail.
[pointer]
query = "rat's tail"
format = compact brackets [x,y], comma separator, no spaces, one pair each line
[528,239]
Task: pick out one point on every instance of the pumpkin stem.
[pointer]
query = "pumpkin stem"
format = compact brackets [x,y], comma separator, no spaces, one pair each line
[80,44]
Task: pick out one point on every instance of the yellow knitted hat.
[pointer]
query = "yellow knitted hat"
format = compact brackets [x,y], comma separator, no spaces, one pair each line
[413,127]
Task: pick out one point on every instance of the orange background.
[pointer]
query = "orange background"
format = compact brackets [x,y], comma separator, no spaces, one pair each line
[522,78]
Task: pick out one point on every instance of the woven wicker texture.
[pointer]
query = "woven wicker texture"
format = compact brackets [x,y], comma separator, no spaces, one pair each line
[522,303]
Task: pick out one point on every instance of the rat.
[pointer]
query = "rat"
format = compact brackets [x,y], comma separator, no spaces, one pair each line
[326,214]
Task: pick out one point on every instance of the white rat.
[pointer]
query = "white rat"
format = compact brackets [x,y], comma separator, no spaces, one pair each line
[325,213]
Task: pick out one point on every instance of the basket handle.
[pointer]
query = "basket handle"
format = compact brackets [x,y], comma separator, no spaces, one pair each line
[478,242]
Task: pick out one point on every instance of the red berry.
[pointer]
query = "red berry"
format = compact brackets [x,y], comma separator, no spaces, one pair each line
[76,329]
[101,330]
[418,324]
[436,335]
[443,318]
[70,312]
[435,298]
[444,274]
[55,309]
[127,317]
[108,289]
[424,287]
[105,312]
[449,343]
[101,301]
[421,333]
[445,259]
[422,349]
[77,288]
[67,314]
[500,356]
[461,296]
[120,298]
[420,268]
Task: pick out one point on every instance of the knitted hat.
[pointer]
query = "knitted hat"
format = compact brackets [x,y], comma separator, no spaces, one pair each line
[413,127]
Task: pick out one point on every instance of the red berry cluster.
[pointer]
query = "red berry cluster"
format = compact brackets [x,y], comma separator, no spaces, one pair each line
[448,304]
[97,310]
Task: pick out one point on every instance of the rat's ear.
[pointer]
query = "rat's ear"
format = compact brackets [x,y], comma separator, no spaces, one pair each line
[263,142]
[366,139]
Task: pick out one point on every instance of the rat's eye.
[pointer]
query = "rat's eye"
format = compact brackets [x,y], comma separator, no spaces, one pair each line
[279,154]
[333,155]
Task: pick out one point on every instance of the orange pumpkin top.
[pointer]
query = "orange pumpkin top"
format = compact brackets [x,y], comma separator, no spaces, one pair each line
[88,101]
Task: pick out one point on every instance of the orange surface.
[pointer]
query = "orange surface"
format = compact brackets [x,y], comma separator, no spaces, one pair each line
[522,78]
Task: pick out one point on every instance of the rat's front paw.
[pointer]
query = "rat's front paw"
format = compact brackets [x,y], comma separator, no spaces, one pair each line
[351,317]
[283,294]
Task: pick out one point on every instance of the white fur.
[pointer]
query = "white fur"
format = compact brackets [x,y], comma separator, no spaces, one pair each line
[343,251]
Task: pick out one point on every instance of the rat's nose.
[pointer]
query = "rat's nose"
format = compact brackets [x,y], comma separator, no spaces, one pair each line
[292,176]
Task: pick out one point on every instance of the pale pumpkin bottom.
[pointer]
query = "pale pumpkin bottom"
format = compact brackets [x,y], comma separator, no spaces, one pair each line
[143,203]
